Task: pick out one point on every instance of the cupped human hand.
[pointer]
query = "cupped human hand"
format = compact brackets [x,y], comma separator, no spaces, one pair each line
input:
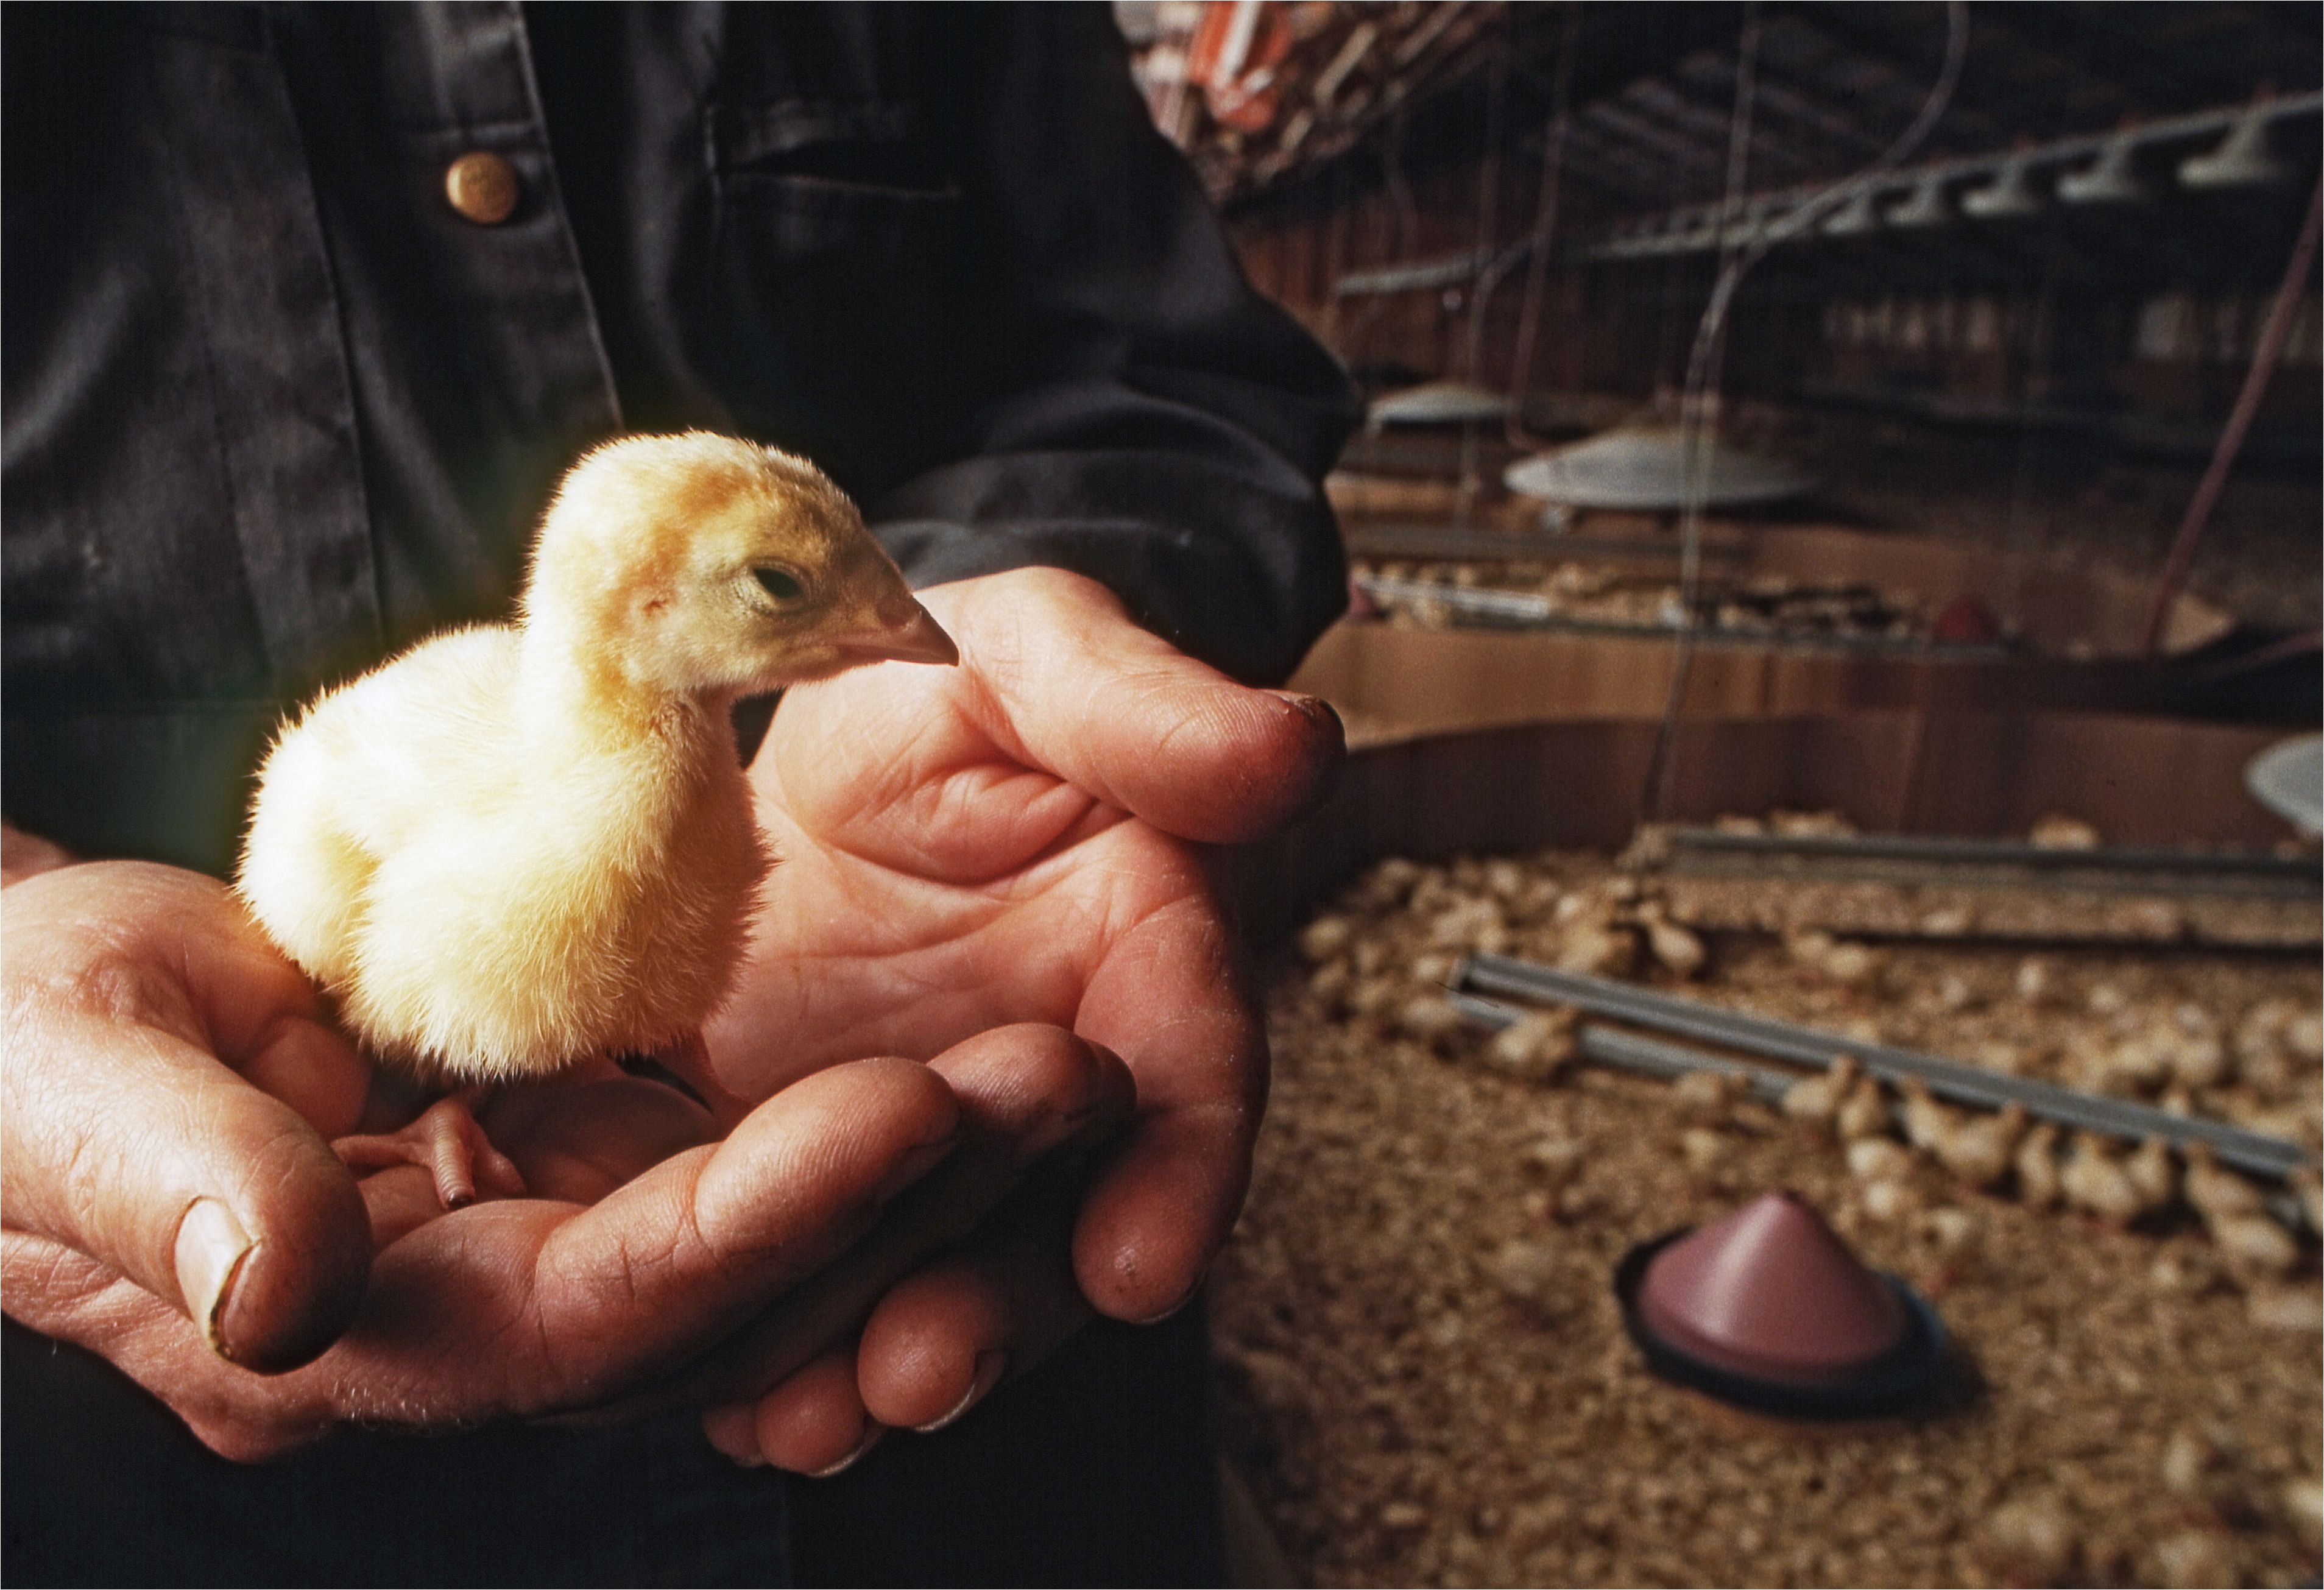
[167,1086]
[1018,840]
[170,1200]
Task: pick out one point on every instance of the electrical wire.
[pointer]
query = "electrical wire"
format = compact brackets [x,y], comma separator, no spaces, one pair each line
[1742,247]
[1488,198]
[2017,533]
[2271,338]
[1335,255]
[1545,228]
[1399,226]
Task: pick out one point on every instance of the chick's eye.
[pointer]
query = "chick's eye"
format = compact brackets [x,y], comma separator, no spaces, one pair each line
[778,583]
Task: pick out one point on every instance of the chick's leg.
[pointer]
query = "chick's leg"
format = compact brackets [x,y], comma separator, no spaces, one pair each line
[447,1142]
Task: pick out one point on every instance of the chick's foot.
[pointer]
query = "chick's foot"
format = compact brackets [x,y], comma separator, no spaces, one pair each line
[447,1142]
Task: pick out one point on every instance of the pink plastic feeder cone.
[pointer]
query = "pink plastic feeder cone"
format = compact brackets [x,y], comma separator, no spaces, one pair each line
[1768,1309]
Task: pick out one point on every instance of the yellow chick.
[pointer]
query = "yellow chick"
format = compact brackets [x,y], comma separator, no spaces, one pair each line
[2308,1188]
[1817,1100]
[1977,1149]
[2155,1174]
[2254,1243]
[2217,1193]
[2036,1161]
[2096,1180]
[518,846]
[1865,1111]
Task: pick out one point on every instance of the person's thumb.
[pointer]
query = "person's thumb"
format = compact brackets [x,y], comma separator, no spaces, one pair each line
[123,1136]
[1126,717]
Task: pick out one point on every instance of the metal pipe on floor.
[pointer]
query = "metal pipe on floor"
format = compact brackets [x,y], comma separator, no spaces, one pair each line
[2253,1152]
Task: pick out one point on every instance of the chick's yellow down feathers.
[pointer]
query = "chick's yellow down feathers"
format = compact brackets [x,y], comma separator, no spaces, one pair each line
[518,846]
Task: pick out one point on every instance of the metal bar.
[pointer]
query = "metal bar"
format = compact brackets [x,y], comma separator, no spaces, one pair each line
[1649,1056]
[1425,275]
[1682,231]
[1632,1051]
[1410,458]
[2177,885]
[1998,853]
[1626,122]
[2250,1151]
[1427,541]
[1508,607]
[1420,276]
[1867,67]
[1522,610]
[1782,92]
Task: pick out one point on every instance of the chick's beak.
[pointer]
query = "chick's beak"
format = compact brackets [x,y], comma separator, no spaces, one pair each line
[916,637]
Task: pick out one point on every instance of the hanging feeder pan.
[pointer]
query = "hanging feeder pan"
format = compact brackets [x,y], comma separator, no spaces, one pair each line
[1644,470]
[1439,403]
[2288,779]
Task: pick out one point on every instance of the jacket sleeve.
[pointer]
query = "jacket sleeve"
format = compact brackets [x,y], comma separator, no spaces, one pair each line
[1155,424]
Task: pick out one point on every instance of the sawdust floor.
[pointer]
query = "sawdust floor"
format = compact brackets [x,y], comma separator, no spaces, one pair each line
[1424,1376]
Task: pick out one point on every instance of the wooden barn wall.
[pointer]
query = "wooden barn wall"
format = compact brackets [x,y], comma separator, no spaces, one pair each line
[1294,256]
[1800,328]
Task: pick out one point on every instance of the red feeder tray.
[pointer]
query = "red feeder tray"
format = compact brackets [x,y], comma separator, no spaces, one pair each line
[1767,1309]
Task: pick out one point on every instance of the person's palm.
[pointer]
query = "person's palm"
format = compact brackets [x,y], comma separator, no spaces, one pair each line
[169,1202]
[1008,841]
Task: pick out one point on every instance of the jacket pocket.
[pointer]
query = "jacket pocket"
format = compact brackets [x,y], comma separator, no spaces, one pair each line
[843,256]
[808,176]
[776,217]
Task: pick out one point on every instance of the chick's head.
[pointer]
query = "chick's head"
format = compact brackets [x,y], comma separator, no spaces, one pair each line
[706,565]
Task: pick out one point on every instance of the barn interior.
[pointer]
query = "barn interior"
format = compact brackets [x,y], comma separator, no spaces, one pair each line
[1832,683]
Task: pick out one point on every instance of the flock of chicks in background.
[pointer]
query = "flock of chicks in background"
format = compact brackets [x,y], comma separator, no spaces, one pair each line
[1762,606]
[1365,963]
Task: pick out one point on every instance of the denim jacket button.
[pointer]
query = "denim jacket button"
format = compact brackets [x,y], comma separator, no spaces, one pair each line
[483,187]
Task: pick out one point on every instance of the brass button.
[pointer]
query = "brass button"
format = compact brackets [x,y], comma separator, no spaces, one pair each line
[483,187]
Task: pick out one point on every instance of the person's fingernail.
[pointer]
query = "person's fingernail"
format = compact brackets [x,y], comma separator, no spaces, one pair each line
[211,1248]
[872,1431]
[1192,1293]
[1313,708]
[913,1166]
[1044,1132]
[990,1367]
[1327,744]
[733,1429]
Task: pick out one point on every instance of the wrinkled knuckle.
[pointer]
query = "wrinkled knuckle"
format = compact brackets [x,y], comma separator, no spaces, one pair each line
[111,985]
[56,989]
[581,1308]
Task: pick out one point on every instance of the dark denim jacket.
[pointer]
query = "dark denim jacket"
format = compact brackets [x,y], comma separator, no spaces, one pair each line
[272,406]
